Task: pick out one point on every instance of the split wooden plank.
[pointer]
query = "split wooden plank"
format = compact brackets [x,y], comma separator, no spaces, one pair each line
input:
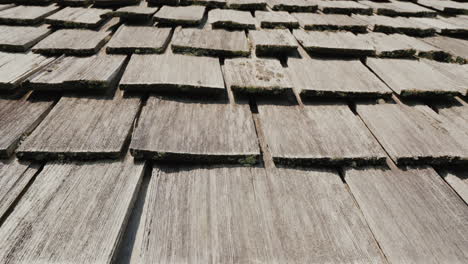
[457,48]
[219,43]
[208,3]
[273,42]
[96,73]
[247,4]
[26,15]
[14,177]
[72,206]
[293,5]
[313,77]
[202,75]
[15,68]
[413,214]
[458,179]
[180,16]
[279,19]
[140,40]
[20,39]
[413,78]
[231,19]
[206,132]
[310,21]
[333,43]
[82,128]
[256,76]
[455,72]
[344,7]
[399,8]
[318,134]
[79,42]
[447,7]
[78,17]
[401,25]
[18,118]
[415,137]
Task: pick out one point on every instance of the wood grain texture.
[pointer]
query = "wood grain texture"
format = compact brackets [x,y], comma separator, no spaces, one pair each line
[17,67]
[93,73]
[279,19]
[273,42]
[458,179]
[78,17]
[72,206]
[399,8]
[26,15]
[210,132]
[454,71]
[14,177]
[82,128]
[72,42]
[180,16]
[413,214]
[201,75]
[18,118]
[334,78]
[458,48]
[443,25]
[247,4]
[415,136]
[402,25]
[19,38]
[309,21]
[344,7]
[318,134]
[219,43]
[390,46]
[140,40]
[136,13]
[256,76]
[293,5]
[447,7]
[457,115]
[333,43]
[413,78]
[231,19]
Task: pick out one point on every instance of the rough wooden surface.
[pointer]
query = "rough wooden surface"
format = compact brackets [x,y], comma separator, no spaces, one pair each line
[399,8]
[413,214]
[458,48]
[443,25]
[72,42]
[311,21]
[247,4]
[180,16]
[293,5]
[17,67]
[448,7]
[279,19]
[454,71]
[256,76]
[82,128]
[333,43]
[14,177]
[251,215]
[18,118]
[71,206]
[142,12]
[343,7]
[26,15]
[19,38]
[318,134]
[78,17]
[401,25]
[273,42]
[93,73]
[220,43]
[201,75]
[390,46]
[457,116]
[334,78]
[414,137]
[458,179]
[413,78]
[231,19]
[208,133]
[128,40]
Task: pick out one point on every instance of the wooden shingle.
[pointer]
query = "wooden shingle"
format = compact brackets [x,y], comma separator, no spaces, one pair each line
[78,17]
[138,13]
[334,43]
[458,48]
[343,7]
[140,40]
[399,8]
[247,4]
[273,41]
[18,118]
[293,5]
[231,19]
[79,42]
[202,42]
[180,16]
[201,75]
[443,25]
[256,76]
[414,215]
[82,128]
[401,25]
[447,7]
[205,132]
[93,73]
[390,46]
[414,137]
[454,71]
[318,134]
[458,179]
[279,19]
[19,38]
[314,77]
[26,15]
[310,21]
[72,206]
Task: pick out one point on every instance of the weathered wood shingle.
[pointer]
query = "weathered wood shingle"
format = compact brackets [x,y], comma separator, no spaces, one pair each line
[78,17]
[26,15]
[128,40]
[293,5]
[231,19]
[19,38]
[280,19]
[180,16]
[273,42]
[311,21]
